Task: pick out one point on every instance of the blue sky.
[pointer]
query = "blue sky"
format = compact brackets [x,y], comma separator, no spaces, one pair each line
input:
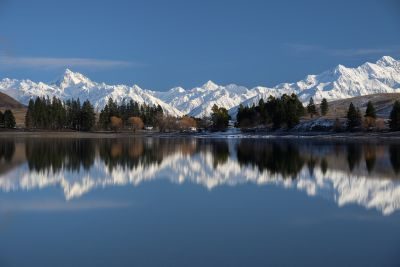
[161,44]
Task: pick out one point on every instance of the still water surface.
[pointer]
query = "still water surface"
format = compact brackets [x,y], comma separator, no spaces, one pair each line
[198,202]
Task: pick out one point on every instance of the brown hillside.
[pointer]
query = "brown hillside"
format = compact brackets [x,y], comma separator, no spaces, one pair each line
[383,104]
[7,102]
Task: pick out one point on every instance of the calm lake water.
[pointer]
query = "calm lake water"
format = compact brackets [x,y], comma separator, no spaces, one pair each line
[198,202]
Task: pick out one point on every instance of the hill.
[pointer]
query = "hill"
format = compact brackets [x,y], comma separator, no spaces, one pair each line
[383,104]
[7,102]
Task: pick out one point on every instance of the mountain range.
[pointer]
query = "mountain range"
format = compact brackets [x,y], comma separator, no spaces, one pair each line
[383,76]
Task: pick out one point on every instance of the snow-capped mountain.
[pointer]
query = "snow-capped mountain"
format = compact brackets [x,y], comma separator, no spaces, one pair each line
[341,82]
[338,83]
[198,101]
[75,85]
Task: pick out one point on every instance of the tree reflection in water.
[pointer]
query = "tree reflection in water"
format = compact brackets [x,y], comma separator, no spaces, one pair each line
[354,155]
[7,150]
[370,157]
[348,172]
[59,154]
[277,157]
[394,152]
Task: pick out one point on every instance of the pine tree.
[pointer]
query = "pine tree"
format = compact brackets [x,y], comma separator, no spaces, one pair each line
[394,123]
[324,107]
[279,115]
[9,119]
[88,117]
[1,119]
[311,108]
[370,112]
[353,117]
[220,118]
[29,114]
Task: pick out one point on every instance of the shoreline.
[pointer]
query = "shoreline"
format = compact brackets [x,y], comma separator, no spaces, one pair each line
[327,136]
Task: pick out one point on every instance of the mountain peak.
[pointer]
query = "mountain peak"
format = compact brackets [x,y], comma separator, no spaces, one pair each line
[386,61]
[70,78]
[340,69]
[210,85]
[177,90]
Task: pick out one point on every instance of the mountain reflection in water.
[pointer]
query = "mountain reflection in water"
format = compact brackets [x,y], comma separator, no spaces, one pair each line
[363,174]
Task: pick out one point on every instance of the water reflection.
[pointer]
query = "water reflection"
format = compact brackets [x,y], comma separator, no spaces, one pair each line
[277,158]
[366,175]
[58,155]
[7,149]
[395,157]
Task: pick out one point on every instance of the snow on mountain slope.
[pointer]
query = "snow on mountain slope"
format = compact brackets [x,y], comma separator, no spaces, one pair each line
[341,82]
[199,100]
[76,85]
[338,83]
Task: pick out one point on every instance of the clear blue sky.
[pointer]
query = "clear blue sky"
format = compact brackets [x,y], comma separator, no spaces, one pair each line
[161,44]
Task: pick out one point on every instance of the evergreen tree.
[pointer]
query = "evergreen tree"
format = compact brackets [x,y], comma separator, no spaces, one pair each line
[9,119]
[53,114]
[58,114]
[279,115]
[278,111]
[370,112]
[263,111]
[88,116]
[29,114]
[220,118]
[324,107]
[292,109]
[300,108]
[1,119]
[394,122]
[311,108]
[353,117]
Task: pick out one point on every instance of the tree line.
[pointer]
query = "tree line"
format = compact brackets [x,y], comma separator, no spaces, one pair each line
[285,110]
[43,113]
[129,114]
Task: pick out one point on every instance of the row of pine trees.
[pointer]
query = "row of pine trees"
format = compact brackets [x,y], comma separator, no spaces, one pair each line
[54,114]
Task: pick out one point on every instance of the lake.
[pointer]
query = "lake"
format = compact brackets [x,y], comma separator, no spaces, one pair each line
[198,202]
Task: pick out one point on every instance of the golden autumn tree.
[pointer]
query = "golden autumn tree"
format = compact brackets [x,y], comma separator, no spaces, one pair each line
[116,123]
[136,123]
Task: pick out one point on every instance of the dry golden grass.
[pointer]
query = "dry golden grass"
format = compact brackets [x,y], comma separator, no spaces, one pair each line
[383,104]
